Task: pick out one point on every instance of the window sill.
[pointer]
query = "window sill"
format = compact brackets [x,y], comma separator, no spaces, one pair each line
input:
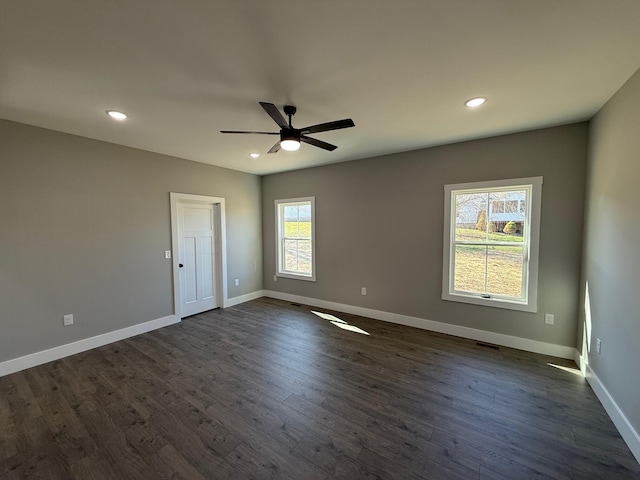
[491,302]
[293,276]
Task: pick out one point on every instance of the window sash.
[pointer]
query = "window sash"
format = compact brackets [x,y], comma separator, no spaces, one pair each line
[490,276]
[488,242]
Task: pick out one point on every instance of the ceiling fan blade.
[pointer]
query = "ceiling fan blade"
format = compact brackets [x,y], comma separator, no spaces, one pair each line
[274,113]
[317,143]
[275,148]
[242,131]
[325,127]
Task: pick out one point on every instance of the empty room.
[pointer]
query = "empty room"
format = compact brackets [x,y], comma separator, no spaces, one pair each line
[320,240]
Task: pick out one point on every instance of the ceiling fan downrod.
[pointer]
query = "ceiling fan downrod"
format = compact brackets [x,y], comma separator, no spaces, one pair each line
[290,111]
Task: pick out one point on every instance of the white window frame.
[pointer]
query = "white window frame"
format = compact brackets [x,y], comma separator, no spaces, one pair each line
[531,250]
[280,238]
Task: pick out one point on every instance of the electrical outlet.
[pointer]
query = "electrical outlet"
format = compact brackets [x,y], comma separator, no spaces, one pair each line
[364,290]
[549,319]
[167,254]
[275,278]
[598,346]
[237,282]
[67,320]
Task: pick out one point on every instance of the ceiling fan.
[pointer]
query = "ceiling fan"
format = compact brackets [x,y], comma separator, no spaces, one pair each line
[291,137]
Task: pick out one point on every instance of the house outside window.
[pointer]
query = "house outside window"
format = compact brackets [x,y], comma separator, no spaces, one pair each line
[491,243]
[295,238]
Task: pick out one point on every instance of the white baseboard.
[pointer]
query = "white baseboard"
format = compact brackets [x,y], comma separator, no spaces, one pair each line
[628,433]
[580,362]
[21,363]
[230,302]
[457,330]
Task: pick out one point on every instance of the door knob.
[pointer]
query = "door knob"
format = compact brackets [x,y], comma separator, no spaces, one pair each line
[180,265]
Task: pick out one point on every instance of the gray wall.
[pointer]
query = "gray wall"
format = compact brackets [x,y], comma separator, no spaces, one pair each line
[83,229]
[380,225]
[611,257]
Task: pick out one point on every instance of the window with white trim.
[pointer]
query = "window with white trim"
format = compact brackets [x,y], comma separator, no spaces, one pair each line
[295,245]
[491,234]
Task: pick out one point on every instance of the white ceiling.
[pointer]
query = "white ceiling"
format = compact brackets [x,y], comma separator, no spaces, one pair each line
[183,70]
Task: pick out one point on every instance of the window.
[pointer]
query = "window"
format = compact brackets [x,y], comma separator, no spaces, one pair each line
[491,236]
[295,243]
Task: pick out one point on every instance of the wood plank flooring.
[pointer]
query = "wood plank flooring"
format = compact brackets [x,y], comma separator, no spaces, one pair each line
[269,390]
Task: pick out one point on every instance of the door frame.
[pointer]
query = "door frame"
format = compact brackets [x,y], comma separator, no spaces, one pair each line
[220,240]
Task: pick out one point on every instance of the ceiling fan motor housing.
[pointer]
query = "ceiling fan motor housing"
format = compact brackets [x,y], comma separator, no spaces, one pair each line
[290,134]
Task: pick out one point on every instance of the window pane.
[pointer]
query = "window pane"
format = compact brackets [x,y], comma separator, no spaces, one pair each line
[471,215]
[496,270]
[304,213]
[291,220]
[297,221]
[297,256]
[290,213]
[506,219]
[304,229]
[505,270]
[291,229]
[470,268]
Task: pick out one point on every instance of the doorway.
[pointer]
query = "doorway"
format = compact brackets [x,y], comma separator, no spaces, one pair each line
[199,253]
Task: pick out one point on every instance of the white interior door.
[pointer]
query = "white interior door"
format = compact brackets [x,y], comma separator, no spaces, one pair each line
[197,258]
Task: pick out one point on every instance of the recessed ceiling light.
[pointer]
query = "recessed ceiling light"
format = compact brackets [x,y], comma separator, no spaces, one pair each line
[116,115]
[475,102]
[254,155]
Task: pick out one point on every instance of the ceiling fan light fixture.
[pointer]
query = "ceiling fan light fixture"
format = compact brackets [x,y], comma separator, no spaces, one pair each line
[290,145]
[289,139]
[475,102]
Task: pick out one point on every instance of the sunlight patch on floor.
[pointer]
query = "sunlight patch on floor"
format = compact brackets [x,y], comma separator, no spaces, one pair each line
[338,322]
[574,371]
[328,316]
[351,328]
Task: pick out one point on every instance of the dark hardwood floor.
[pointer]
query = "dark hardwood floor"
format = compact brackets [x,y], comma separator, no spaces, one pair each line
[269,390]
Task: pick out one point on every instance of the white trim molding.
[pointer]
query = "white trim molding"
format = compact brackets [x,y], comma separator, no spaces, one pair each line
[247,297]
[440,327]
[280,205]
[530,242]
[221,232]
[22,363]
[619,419]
